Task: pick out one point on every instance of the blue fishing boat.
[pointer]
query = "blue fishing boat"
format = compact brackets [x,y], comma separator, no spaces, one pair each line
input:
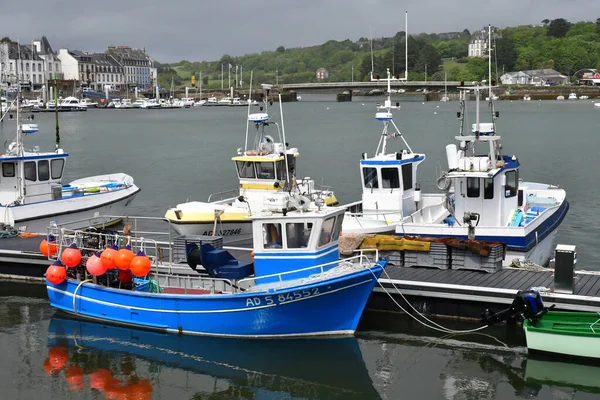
[296,285]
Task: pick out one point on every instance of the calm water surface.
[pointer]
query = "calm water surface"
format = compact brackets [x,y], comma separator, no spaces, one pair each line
[176,155]
[48,356]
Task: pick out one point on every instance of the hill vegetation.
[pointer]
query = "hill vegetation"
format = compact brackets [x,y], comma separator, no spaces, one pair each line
[558,44]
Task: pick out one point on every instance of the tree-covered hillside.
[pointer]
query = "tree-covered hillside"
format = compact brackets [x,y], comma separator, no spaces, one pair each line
[558,44]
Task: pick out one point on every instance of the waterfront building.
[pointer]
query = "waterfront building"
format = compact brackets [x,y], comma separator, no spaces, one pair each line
[137,67]
[30,66]
[108,72]
[535,77]
[78,67]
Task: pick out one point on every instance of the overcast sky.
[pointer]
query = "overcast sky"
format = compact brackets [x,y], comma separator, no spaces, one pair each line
[200,30]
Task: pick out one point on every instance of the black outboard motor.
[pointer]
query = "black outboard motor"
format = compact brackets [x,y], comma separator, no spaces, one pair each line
[526,305]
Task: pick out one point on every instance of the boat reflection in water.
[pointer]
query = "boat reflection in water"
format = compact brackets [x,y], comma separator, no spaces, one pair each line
[138,364]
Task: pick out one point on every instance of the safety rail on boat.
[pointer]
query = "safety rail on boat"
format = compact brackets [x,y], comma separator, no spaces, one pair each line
[247,283]
[134,236]
[191,284]
[231,193]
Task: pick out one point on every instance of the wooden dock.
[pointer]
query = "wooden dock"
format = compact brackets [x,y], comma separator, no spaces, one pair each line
[445,293]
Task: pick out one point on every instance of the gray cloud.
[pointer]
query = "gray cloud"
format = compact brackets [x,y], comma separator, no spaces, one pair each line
[205,30]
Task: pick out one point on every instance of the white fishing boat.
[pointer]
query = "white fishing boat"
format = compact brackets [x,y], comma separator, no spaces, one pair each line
[584,97]
[389,188]
[526,98]
[199,103]
[187,102]
[211,101]
[572,96]
[123,104]
[266,169]
[225,101]
[485,198]
[597,105]
[560,97]
[33,196]
[71,104]
[89,103]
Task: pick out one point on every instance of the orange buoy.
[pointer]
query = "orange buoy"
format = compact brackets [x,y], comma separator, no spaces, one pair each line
[125,277]
[124,258]
[48,246]
[71,256]
[74,377]
[58,357]
[109,256]
[100,378]
[56,273]
[140,265]
[95,266]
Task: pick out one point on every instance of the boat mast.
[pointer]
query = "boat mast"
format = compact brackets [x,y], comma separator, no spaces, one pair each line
[287,176]
[490,59]
[406,46]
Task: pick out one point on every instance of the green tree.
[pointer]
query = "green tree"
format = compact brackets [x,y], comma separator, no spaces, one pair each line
[598,26]
[5,39]
[506,54]
[280,49]
[545,22]
[558,27]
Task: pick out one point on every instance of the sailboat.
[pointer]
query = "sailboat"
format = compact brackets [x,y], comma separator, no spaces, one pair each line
[33,196]
[445,97]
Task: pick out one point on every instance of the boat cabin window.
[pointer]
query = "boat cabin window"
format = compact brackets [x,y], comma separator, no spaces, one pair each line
[57,168]
[246,169]
[407,176]
[266,170]
[512,180]
[43,170]
[30,171]
[291,162]
[488,188]
[390,178]
[281,170]
[272,237]
[327,231]
[8,170]
[338,228]
[370,178]
[472,187]
[298,235]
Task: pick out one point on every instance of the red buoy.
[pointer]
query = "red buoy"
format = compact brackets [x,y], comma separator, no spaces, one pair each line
[56,273]
[140,265]
[71,256]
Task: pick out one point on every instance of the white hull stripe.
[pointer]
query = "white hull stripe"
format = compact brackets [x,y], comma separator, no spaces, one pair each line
[198,297]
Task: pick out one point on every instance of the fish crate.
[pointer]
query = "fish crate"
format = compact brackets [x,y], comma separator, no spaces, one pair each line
[393,257]
[179,243]
[466,259]
[438,256]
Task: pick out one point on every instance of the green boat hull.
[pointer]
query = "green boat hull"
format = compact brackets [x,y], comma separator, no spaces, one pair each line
[568,333]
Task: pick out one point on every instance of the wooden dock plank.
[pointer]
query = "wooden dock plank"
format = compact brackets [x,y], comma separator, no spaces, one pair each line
[500,280]
[594,290]
[534,280]
[580,281]
[589,285]
[512,281]
[484,278]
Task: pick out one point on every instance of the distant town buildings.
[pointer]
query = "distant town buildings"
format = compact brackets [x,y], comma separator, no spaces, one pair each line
[23,62]
[118,68]
[536,77]
[322,73]
[137,67]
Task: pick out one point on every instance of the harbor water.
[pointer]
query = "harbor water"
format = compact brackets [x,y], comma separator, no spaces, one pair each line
[180,155]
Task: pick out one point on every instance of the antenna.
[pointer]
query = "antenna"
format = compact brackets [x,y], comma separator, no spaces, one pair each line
[249,105]
[287,175]
[406,46]
[372,63]
[490,59]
